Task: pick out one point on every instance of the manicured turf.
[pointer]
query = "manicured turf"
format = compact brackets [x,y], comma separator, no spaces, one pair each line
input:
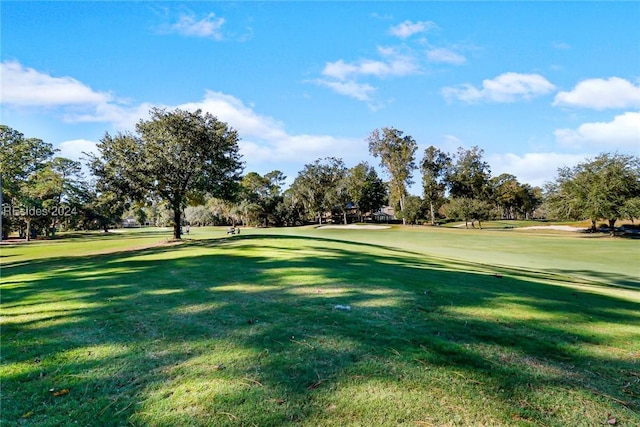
[445,327]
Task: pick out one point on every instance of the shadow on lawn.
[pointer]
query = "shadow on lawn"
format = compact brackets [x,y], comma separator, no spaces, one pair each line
[175,321]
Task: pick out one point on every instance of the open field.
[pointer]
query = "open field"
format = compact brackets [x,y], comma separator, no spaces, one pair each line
[446,327]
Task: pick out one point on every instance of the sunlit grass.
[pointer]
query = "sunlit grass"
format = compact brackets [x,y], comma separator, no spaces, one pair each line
[445,327]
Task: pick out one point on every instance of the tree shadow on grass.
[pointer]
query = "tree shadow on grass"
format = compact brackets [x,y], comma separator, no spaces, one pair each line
[246,331]
[617,280]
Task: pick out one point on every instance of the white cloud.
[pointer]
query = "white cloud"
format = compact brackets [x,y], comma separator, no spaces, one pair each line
[122,117]
[350,88]
[533,168]
[397,65]
[75,149]
[622,132]
[266,142]
[74,101]
[339,69]
[188,25]
[343,77]
[387,51]
[507,87]
[600,94]
[408,28]
[238,115]
[451,142]
[22,86]
[446,56]
[561,45]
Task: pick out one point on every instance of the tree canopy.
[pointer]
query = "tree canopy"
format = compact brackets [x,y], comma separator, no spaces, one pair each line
[435,166]
[174,156]
[606,187]
[317,185]
[39,190]
[397,157]
[180,163]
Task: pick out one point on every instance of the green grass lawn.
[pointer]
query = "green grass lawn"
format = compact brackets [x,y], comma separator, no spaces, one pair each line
[446,327]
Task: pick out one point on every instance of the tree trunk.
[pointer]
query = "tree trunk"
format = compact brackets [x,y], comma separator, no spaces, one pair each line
[28,229]
[433,214]
[612,223]
[345,217]
[593,225]
[176,223]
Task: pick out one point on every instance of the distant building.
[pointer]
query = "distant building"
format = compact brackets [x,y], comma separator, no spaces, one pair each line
[385,214]
[130,222]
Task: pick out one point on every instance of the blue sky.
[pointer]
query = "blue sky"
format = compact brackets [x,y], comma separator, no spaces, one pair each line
[537,85]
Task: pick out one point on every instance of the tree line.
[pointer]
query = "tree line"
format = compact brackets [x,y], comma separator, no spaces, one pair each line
[185,167]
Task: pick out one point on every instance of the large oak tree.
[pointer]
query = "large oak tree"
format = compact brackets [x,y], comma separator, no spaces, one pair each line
[174,156]
[606,187]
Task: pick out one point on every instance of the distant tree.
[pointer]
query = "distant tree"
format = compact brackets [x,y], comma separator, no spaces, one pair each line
[468,181]
[366,190]
[20,158]
[291,211]
[198,215]
[606,187]
[25,186]
[55,190]
[316,185]
[98,210]
[506,191]
[221,209]
[413,209]
[264,193]
[469,210]
[531,200]
[469,175]
[482,210]
[631,209]
[140,214]
[435,166]
[460,208]
[164,214]
[342,199]
[564,197]
[66,185]
[397,157]
[512,198]
[174,156]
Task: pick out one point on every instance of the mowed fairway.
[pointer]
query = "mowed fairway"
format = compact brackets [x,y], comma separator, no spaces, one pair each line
[446,327]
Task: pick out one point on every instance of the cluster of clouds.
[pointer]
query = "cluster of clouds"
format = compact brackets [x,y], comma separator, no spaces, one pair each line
[594,94]
[347,77]
[188,25]
[263,137]
[598,94]
[210,26]
[354,79]
[266,138]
